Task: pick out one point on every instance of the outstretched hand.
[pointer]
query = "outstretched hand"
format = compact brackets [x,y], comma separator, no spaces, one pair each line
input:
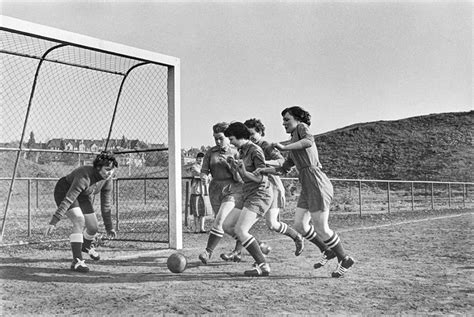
[278,146]
[111,234]
[49,230]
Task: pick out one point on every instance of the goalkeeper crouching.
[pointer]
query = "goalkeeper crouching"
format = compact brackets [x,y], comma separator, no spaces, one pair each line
[74,195]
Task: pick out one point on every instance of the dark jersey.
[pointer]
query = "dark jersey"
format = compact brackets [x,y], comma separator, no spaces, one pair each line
[83,183]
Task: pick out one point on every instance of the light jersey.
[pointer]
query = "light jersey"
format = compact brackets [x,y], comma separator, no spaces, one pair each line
[85,182]
[214,162]
[305,157]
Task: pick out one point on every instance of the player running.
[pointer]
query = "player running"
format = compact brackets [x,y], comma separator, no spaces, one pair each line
[317,190]
[225,188]
[74,196]
[257,196]
[274,158]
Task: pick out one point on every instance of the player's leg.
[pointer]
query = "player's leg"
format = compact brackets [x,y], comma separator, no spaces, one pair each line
[274,224]
[217,231]
[91,227]
[76,238]
[89,233]
[332,240]
[229,228]
[246,220]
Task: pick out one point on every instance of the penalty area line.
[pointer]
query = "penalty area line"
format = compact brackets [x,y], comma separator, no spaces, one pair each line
[404,222]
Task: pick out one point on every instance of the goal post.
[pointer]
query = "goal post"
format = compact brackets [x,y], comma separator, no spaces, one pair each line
[78,95]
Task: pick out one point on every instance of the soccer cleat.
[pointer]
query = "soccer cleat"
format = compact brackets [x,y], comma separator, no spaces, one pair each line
[325,257]
[262,269]
[232,256]
[92,253]
[299,243]
[79,265]
[343,267]
[204,257]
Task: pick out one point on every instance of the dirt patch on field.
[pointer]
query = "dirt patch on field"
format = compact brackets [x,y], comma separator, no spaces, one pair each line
[407,263]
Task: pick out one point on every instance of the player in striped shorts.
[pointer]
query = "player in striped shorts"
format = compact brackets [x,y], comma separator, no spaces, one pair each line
[317,190]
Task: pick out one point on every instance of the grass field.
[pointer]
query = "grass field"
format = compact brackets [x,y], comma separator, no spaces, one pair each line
[407,264]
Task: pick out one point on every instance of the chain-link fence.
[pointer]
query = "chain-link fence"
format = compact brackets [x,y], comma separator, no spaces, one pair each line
[66,98]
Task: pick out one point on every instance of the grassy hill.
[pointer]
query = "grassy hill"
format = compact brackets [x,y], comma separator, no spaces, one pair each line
[436,147]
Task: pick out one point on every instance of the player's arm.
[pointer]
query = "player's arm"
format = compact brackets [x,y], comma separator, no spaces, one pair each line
[106,208]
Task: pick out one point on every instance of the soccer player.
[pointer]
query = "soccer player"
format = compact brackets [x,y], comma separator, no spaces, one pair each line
[74,196]
[317,190]
[257,196]
[274,158]
[225,187]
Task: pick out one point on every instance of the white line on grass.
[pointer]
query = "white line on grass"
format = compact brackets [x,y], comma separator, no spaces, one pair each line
[158,252]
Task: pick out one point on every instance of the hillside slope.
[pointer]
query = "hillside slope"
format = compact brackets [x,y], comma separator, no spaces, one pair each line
[436,147]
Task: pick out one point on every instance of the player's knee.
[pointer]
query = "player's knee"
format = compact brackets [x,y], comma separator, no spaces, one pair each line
[273,225]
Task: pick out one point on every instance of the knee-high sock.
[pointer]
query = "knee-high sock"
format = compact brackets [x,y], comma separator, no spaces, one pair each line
[335,244]
[314,238]
[76,245]
[87,242]
[251,244]
[287,231]
[214,237]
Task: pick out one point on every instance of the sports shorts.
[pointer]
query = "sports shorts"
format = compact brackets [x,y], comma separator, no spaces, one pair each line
[316,190]
[258,197]
[221,191]
[83,202]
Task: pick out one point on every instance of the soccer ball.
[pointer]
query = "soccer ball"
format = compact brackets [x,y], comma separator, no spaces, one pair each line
[265,248]
[176,263]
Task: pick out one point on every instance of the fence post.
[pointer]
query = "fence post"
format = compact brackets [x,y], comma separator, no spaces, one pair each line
[29,207]
[464,195]
[144,190]
[449,195]
[186,204]
[388,196]
[412,197]
[360,198]
[37,194]
[117,192]
[432,196]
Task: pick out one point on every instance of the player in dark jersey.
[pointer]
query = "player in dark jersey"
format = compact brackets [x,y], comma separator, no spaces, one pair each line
[316,190]
[274,158]
[74,195]
[257,196]
[225,188]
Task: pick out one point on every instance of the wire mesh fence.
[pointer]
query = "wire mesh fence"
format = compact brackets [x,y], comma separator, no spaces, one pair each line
[64,99]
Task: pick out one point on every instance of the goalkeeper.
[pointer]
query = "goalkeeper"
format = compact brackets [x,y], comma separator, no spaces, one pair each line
[74,195]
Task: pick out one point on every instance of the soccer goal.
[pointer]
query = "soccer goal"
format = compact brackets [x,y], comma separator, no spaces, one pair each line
[65,97]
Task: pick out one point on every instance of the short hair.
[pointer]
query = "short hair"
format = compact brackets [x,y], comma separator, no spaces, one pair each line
[200,154]
[220,127]
[298,113]
[105,159]
[238,130]
[255,124]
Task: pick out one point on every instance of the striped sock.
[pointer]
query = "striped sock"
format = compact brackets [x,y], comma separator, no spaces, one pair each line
[335,244]
[214,237]
[76,245]
[254,249]
[287,231]
[314,238]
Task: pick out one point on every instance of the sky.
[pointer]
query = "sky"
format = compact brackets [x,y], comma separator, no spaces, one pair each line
[345,62]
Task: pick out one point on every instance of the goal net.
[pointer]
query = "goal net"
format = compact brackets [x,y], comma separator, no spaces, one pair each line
[65,97]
